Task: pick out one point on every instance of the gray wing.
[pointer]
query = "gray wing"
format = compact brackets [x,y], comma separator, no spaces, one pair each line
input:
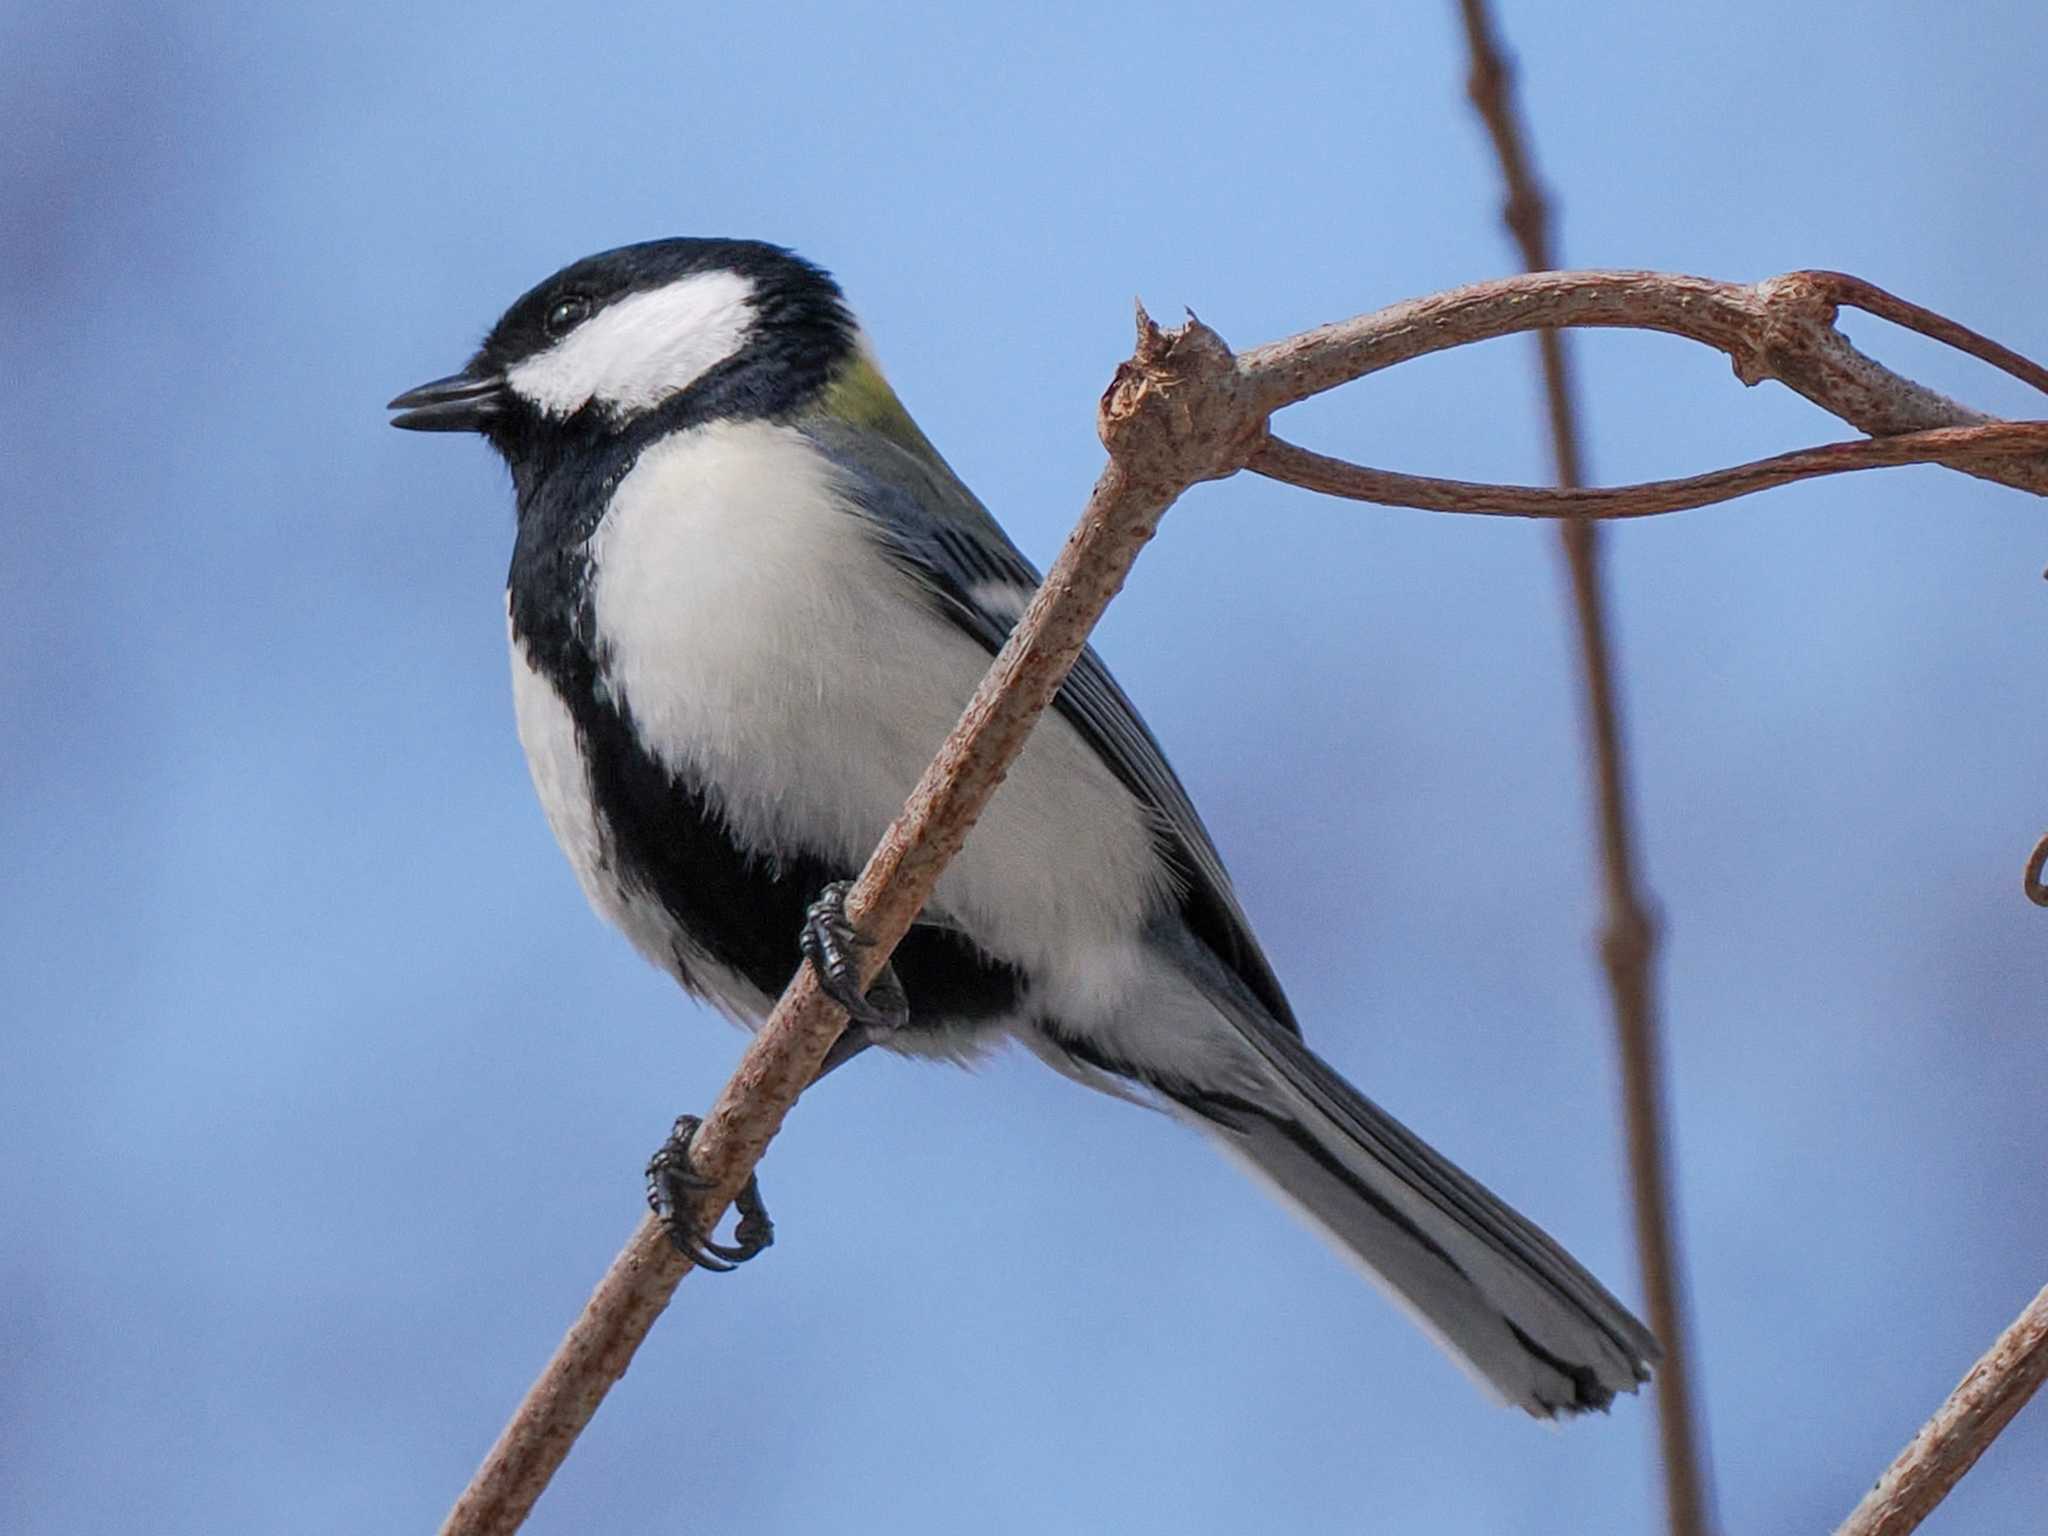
[980,581]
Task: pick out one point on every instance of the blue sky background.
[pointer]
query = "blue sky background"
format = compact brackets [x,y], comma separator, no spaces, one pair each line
[326,1097]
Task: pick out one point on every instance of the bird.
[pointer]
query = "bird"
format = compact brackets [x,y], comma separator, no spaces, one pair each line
[747,600]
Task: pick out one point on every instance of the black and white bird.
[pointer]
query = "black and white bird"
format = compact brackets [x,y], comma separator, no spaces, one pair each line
[747,601]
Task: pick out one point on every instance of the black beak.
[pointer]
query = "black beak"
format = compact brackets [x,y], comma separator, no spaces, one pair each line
[462,402]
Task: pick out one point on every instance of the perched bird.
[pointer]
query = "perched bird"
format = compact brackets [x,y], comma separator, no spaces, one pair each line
[747,601]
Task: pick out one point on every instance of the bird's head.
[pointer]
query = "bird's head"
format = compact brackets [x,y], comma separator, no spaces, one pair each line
[664,334]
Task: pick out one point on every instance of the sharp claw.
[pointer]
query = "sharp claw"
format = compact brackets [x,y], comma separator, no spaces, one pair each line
[827,941]
[673,1184]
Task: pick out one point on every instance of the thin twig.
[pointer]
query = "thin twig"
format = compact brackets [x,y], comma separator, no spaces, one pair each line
[1949,1444]
[2037,861]
[1312,471]
[1182,409]
[1841,288]
[1628,937]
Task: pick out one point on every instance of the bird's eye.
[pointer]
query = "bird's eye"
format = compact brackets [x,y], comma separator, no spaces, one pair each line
[565,314]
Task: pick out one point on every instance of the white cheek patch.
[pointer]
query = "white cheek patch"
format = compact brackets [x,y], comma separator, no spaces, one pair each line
[635,353]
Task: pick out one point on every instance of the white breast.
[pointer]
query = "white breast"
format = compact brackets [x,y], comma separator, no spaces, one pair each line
[766,648]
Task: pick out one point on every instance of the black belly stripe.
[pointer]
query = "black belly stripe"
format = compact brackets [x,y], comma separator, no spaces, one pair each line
[744,907]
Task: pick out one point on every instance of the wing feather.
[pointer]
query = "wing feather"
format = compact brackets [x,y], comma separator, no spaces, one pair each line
[933,525]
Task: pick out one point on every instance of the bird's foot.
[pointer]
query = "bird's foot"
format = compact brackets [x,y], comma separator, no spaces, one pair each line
[828,941]
[673,1185]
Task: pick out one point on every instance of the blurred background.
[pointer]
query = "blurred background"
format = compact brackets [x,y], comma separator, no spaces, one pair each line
[326,1098]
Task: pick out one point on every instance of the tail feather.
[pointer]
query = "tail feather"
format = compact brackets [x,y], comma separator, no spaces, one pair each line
[1495,1290]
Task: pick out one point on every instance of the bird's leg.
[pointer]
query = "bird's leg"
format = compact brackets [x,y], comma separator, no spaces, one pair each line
[673,1185]
[828,941]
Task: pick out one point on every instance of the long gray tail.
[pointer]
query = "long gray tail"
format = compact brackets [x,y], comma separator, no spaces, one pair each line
[1489,1285]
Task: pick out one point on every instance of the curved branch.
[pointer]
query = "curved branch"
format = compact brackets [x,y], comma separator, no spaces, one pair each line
[2037,861]
[1955,447]
[1781,328]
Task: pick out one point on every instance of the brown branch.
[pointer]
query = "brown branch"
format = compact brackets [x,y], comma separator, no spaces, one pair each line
[1628,936]
[1282,460]
[1170,418]
[1949,1444]
[2037,861]
[1181,409]
[1781,328]
[1841,288]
